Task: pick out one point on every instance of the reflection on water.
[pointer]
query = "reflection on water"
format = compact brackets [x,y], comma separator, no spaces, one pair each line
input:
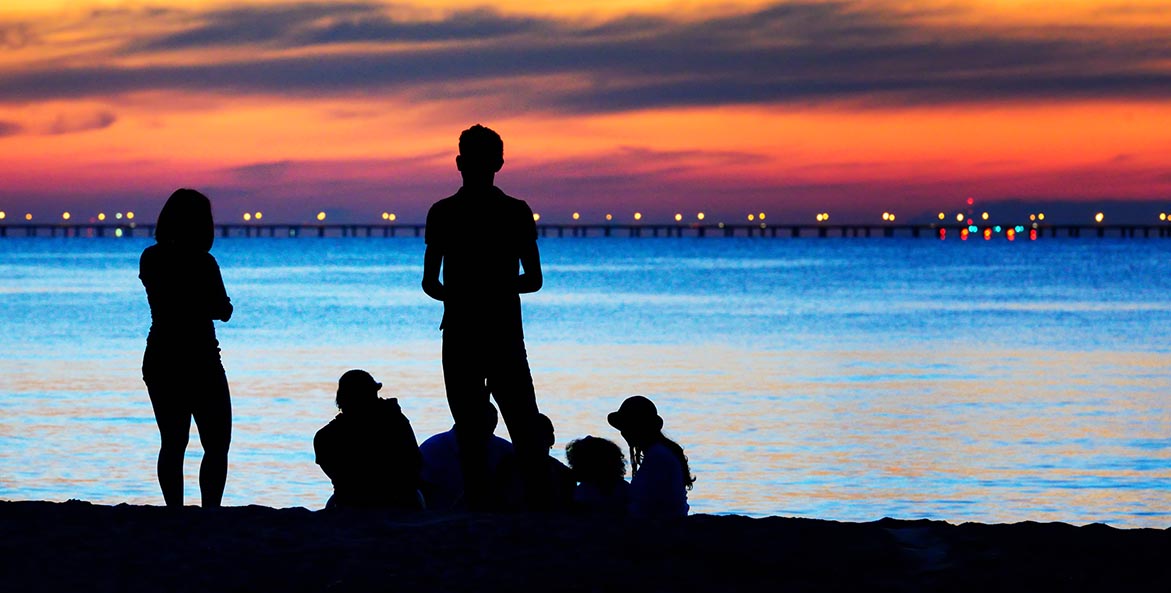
[798,382]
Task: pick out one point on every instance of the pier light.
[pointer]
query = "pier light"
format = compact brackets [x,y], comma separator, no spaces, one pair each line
[609,217]
[3,215]
[577,215]
[258,215]
[984,216]
[321,215]
[385,216]
[751,217]
[892,217]
[1040,216]
[959,217]
[942,216]
[760,216]
[1099,217]
[699,215]
[129,216]
[971,201]
[825,215]
[678,217]
[638,215]
[117,232]
[1032,217]
[536,217]
[1162,215]
[118,215]
[247,216]
[721,225]
[101,215]
[819,218]
[392,217]
[28,216]
[66,216]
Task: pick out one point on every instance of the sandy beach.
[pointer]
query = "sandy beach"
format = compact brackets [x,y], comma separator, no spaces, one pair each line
[78,546]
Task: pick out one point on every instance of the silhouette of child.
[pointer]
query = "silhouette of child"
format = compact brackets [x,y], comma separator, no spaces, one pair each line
[600,469]
[369,450]
[481,239]
[557,479]
[661,474]
[181,366]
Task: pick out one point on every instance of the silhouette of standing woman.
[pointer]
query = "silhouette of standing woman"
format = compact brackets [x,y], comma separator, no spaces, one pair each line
[181,367]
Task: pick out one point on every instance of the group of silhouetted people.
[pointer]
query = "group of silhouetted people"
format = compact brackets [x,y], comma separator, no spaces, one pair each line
[481,256]
[370,453]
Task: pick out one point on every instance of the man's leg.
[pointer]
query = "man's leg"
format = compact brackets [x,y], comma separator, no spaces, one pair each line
[511,384]
[467,397]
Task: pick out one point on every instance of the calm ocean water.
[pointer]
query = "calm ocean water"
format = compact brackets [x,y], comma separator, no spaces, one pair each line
[839,379]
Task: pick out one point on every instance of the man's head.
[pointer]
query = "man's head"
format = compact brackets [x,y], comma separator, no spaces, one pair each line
[356,388]
[481,153]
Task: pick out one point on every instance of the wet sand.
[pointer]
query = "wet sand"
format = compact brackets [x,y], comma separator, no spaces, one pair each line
[77,546]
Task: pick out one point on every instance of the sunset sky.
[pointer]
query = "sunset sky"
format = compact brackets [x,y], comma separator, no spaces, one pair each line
[789,107]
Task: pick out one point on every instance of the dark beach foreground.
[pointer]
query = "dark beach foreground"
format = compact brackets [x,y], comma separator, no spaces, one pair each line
[77,546]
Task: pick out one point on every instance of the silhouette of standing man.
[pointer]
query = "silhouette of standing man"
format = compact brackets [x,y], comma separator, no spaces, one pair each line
[481,239]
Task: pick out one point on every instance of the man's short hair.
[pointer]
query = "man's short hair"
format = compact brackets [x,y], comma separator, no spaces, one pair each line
[481,144]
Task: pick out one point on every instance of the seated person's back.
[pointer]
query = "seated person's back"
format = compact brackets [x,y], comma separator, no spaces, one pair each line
[442,479]
[369,450]
[555,490]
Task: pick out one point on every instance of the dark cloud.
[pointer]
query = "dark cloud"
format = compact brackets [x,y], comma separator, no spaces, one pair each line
[8,128]
[306,25]
[803,52]
[74,123]
[261,172]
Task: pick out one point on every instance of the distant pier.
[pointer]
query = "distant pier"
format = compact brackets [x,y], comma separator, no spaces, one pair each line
[792,231]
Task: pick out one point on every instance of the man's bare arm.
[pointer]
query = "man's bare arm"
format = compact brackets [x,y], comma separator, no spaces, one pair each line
[531,279]
[432,260]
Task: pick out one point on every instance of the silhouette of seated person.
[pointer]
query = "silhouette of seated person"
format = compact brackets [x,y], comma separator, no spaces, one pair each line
[369,450]
[442,475]
[661,474]
[599,466]
[557,483]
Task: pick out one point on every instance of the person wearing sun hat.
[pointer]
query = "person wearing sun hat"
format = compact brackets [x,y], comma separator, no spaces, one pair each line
[661,475]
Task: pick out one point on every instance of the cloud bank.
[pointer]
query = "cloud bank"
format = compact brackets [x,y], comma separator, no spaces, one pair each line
[791,52]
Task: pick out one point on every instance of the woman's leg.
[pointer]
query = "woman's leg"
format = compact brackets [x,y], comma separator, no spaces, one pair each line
[174,421]
[213,416]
